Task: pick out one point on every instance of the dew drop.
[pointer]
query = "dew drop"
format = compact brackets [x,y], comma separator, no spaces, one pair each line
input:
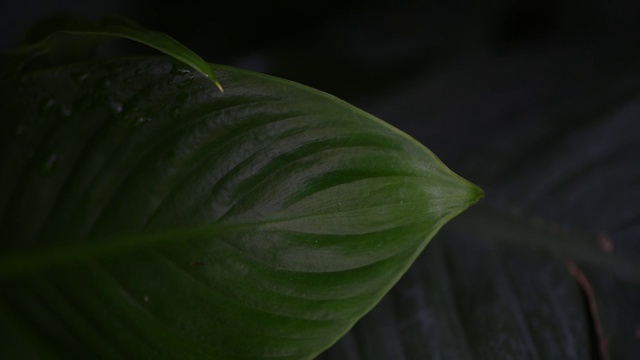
[115,106]
[80,77]
[46,105]
[140,121]
[49,165]
[174,113]
[65,111]
[183,77]
[105,83]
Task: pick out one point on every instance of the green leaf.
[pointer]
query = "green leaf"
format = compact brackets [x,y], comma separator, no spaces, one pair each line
[147,215]
[549,266]
[83,34]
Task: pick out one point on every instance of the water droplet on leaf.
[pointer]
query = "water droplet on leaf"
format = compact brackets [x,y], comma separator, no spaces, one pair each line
[80,77]
[139,121]
[175,113]
[65,111]
[105,83]
[46,105]
[49,165]
[115,106]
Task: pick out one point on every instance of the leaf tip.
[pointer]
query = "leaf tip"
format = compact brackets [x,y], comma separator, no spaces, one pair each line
[218,85]
[473,195]
[477,193]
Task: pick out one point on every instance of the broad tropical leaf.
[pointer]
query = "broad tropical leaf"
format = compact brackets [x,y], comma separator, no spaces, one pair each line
[147,215]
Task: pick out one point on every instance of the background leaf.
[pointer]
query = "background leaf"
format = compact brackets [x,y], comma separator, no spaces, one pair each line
[289,213]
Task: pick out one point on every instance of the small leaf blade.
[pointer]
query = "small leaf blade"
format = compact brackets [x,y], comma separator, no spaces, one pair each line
[108,27]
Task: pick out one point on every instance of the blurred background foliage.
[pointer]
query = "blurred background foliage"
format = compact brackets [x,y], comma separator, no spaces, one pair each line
[536,101]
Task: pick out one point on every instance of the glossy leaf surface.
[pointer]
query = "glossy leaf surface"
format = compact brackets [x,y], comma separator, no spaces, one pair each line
[261,222]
